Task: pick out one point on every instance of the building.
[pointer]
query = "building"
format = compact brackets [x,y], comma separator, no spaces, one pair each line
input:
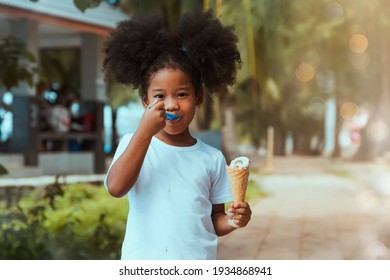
[50,24]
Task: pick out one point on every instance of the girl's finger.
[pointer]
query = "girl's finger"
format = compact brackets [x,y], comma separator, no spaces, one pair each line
[242,205]
[152,104]
[242,211]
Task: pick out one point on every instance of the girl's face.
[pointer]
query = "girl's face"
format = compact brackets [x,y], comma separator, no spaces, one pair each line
[174,87]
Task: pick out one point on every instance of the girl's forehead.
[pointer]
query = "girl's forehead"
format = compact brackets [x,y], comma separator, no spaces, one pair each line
[170,77]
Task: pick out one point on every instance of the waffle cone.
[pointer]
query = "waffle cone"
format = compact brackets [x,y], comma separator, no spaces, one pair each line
[238,182]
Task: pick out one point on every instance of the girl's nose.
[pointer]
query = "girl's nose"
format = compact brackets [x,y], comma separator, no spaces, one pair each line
[171,104]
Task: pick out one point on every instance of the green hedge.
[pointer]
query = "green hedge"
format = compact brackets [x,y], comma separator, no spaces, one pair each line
[68,222]
[74,222]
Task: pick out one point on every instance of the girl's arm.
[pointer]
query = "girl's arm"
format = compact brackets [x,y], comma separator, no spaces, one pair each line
[240,213]
[124,172]
[220,220]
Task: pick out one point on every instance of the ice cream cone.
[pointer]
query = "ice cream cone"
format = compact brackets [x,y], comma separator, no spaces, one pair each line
[238,178]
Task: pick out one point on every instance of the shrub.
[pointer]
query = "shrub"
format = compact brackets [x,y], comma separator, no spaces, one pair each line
[75,222]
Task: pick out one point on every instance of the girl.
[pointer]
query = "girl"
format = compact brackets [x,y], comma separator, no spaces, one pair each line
[176,184]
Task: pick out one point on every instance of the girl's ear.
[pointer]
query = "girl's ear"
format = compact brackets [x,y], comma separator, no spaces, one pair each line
[199,99]
[145,102]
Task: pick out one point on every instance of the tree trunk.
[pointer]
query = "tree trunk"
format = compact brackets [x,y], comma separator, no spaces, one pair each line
[256,120]
[280,141]
[302,144]
[337,149]
[206,115]
[229,141]
[114,131]
[369,149]
[384,104]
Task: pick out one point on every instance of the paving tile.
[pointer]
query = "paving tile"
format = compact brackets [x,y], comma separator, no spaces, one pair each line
[278,253]
[244,243]
[323,253]
[241,244]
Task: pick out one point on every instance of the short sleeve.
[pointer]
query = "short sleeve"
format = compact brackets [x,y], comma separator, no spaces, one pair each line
[220,189]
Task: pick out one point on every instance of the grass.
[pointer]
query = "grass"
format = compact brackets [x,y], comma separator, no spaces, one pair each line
[254,191]
[339,173]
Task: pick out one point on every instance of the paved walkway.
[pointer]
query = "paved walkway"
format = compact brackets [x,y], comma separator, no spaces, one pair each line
[316,209]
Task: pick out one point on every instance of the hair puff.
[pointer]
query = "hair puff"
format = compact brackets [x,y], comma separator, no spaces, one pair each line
[212,48]
[131,48]
[200,45]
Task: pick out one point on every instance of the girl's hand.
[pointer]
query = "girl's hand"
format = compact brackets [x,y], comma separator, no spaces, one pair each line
[153,119]
[240,214]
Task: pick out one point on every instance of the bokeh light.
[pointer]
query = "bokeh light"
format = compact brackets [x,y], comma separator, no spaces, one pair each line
[8,98]
[358,43]
[312,57]
[376,250]
[334,11]
[326,81]
[50,96]
[316,108]
[349,111]
[362,118]
[304,72]
[383,184]
[359,60]
[377,131]
[75,109]
[367,199]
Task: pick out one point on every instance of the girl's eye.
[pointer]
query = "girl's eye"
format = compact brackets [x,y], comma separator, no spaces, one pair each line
[158,96]
[182,94]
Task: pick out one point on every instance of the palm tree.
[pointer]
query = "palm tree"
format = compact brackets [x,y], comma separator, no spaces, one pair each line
[17,64]
[3,171]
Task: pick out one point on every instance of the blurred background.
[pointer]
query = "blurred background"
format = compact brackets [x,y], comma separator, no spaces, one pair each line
[310,107]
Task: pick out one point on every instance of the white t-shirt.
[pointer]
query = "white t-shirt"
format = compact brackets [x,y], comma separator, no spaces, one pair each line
[171,202]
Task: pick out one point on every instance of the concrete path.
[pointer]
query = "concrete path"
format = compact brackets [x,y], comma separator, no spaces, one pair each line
[316,209]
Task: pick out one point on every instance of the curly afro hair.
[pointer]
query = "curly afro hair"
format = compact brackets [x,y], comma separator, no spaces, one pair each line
[200,46]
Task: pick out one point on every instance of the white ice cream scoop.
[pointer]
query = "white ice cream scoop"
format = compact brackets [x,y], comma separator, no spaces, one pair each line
[240,162]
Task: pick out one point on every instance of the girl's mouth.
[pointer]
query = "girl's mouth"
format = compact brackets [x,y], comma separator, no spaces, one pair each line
[171,117]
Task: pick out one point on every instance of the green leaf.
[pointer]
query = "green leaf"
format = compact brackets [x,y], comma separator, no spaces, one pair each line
[16,62]
[30,80]
[26,54]
[3,171]
[82,5]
